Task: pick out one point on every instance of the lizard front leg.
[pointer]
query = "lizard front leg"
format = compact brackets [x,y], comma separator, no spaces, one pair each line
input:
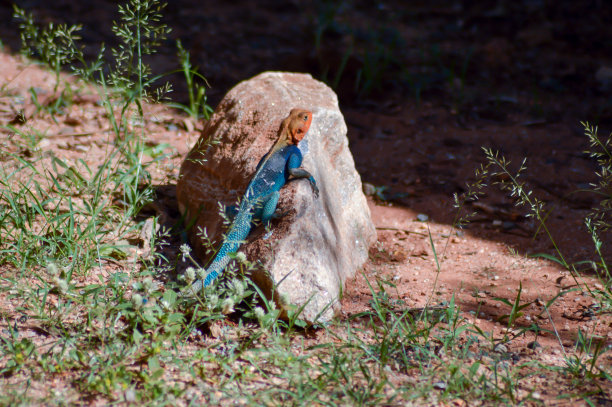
[300,173]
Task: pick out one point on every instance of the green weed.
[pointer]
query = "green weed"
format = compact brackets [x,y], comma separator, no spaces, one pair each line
[54,45]
[197,108]
[585,366]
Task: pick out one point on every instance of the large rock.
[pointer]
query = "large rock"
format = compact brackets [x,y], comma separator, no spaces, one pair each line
[320,242]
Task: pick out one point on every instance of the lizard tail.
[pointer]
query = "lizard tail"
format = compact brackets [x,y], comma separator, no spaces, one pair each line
[238,233]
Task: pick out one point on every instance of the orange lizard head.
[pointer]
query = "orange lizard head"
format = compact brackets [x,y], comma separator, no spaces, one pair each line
[297,124]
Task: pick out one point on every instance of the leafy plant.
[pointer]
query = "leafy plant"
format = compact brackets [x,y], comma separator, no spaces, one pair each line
[55,44]
[597,220]
[17,350]
[140,32]
[197,107]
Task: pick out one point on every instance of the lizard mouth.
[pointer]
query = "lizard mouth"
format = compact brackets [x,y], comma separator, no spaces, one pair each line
[297,135]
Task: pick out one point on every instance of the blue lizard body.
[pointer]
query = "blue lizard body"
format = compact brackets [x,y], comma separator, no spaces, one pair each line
[278,167]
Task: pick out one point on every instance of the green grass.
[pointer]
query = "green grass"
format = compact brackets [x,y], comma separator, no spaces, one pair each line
[79,330]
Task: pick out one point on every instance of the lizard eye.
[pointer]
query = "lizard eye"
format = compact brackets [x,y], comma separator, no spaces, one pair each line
[305,117]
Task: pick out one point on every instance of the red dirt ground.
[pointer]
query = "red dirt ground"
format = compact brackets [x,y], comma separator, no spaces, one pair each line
[534,72]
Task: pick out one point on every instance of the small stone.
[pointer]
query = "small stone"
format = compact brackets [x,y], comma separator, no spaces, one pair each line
[44,143]
[533,345]
[368,189]
[421,217]
[439,386]
[497,222]
[500,348]
[130,395]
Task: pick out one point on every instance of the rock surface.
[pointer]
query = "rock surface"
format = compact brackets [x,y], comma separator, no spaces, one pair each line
[320,242]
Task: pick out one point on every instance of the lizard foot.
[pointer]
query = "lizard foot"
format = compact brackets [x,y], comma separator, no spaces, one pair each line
[315,190]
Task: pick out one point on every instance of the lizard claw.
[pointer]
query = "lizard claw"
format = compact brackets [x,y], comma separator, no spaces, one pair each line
[315,189]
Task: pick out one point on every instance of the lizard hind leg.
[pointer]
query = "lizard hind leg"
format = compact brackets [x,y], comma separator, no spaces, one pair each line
[269,207]
[269,211]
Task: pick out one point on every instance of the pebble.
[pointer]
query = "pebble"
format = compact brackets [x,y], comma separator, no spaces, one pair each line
[533,345]
[439,386]
[130,395]
[421,217]
[500,348]
[44,143]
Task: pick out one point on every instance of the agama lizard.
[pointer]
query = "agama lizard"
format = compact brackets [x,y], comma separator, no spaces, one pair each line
[278,167]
